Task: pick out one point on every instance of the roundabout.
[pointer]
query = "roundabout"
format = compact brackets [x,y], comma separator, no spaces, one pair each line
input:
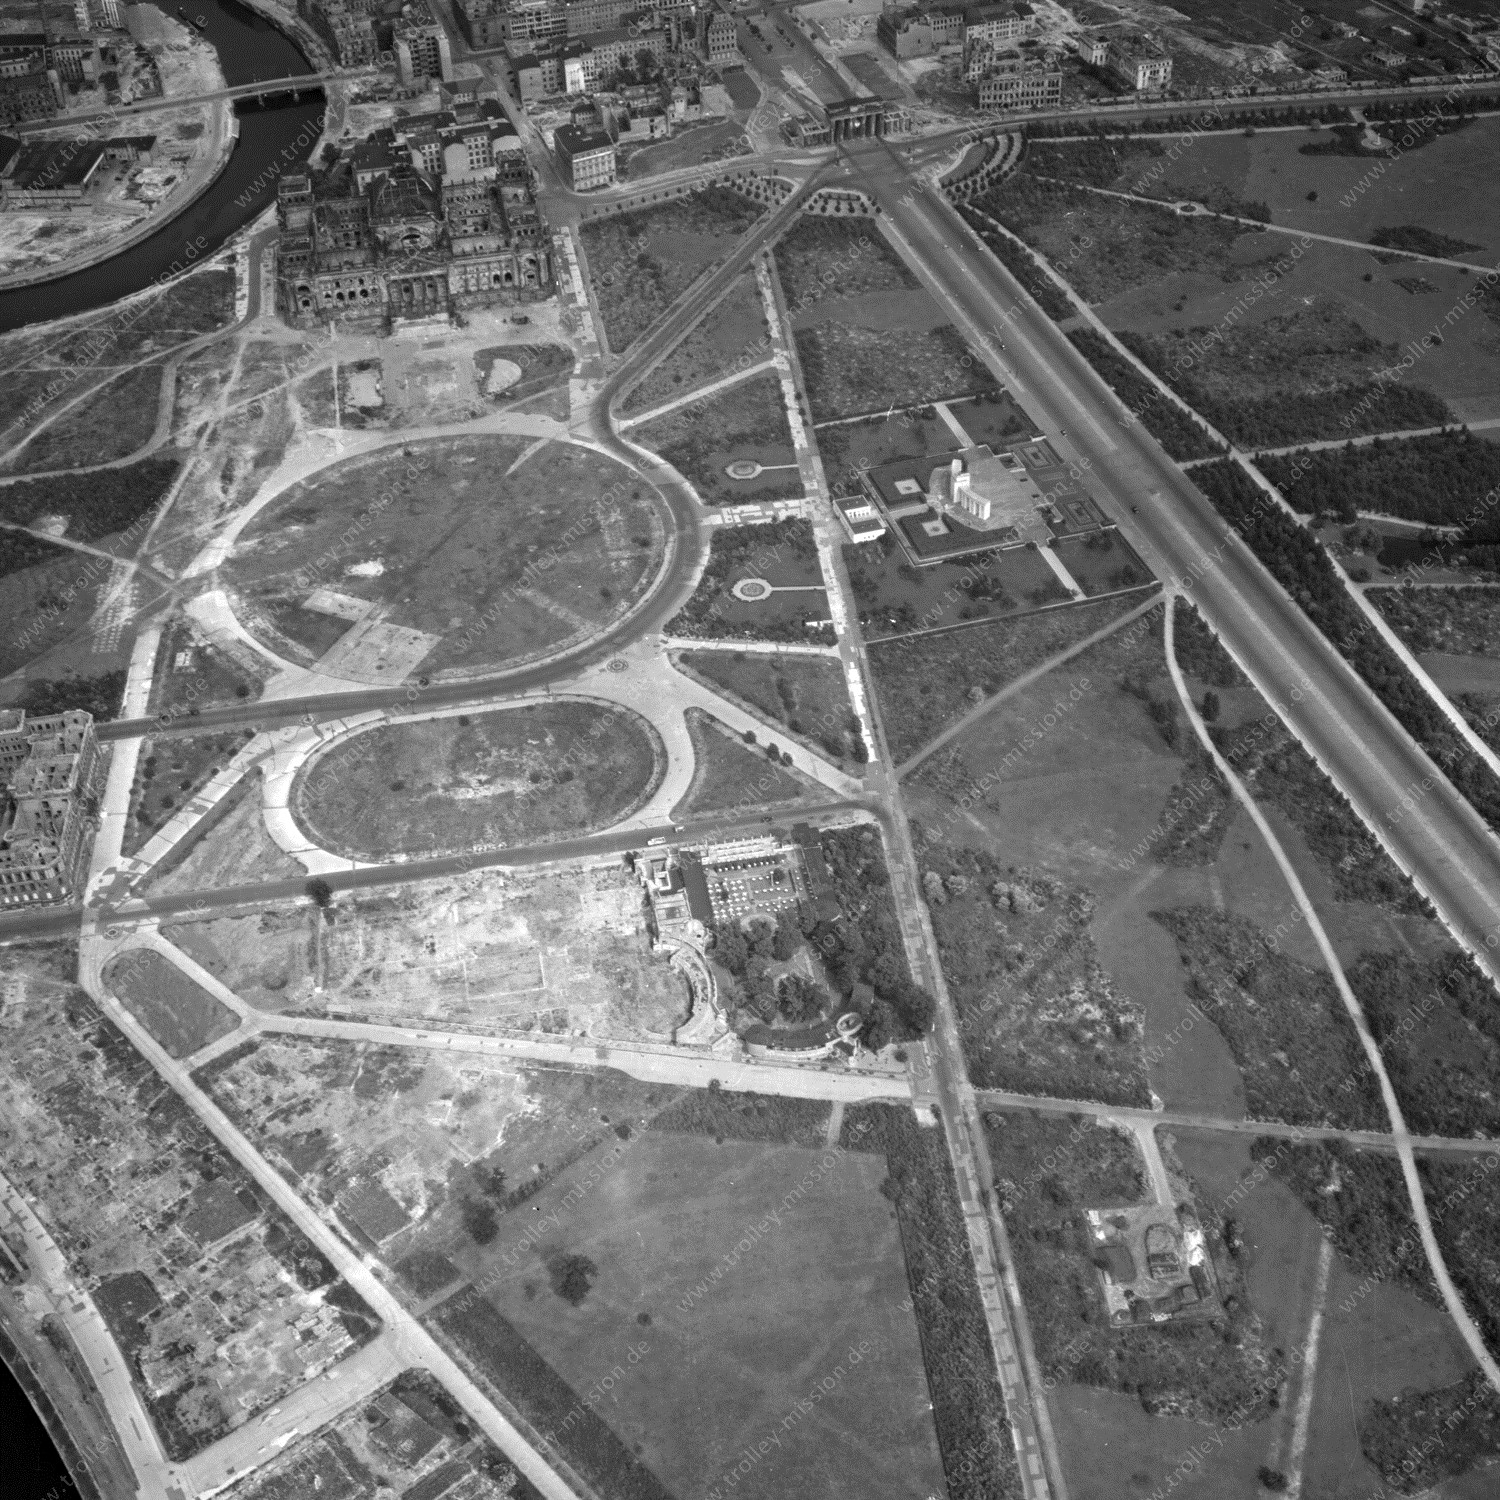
[449,558]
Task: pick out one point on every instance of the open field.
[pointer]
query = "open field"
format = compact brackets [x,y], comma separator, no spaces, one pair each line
[848,448]
[543,771]
[733,335]
[484,551]
[1103,792]
[46,604]
[784,555]
[218,1305]
[895,598]
[806,695]
[683,1304]
[171,771]
[639,263]
[410,1438]
[745,423]
[926,682]
[1102,562]
[729,774]
[118,418]
[564,950]
[178,1012]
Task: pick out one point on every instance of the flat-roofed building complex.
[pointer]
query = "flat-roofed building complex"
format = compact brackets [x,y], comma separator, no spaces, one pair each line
[49,173]
[51,769]
[348,26]
[586,155]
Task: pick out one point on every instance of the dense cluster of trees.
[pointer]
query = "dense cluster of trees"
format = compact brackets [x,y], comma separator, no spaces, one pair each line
[1424,241]
[1439,1028]
[1419,1438]
[96,504]
[860,950]
[1441,479]
[1299,563]
[20,550]
[1177,432]
[968,1406]
[1303,413]
[100,696]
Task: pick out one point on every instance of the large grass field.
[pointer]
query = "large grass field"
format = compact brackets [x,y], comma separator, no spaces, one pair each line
[499,553]
[170,773]
[175,1009]
[639,263]
[745,422]
[661,1271]
[512,775]
[730,774]
[806,695]
[925,682]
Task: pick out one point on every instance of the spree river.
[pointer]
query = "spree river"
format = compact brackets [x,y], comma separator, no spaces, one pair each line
[273,139]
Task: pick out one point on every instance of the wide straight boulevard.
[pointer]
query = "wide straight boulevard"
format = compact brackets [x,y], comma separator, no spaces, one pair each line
[1432,831]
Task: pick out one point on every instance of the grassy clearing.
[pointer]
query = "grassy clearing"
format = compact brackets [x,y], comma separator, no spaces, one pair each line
[117,419]
[1049,1171]
[1298,377]
[806,695]
[1108,245]
[1293,555]
[177,1011]
[498,566]
[823,259]
[173,769]
[785,555]
[535,773]
[968,1406]
[731,774]
[1437,479]
[503,1357]
[849,369]
[1038,1013]
[927,682]
[1291,1038]
[735,334]
[642,262]
[746,421]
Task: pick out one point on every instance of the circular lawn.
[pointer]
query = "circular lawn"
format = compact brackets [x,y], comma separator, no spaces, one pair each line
[510,776]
